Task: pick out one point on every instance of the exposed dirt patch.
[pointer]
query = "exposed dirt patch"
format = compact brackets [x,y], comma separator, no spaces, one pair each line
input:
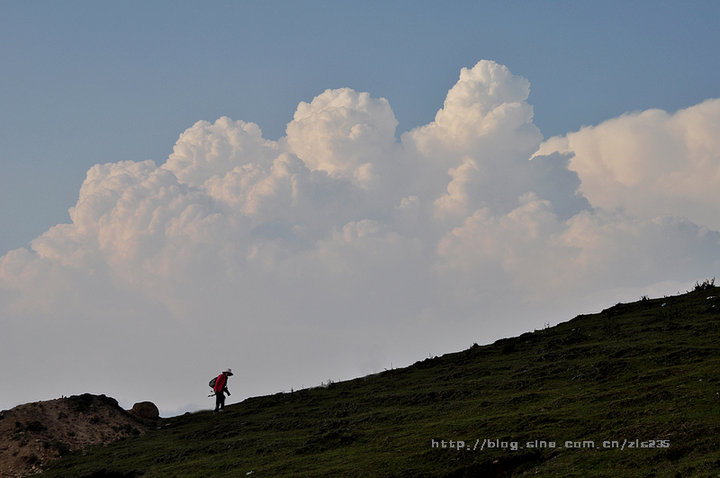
[33,434]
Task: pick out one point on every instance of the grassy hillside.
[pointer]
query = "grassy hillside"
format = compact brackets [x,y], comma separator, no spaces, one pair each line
[646,371]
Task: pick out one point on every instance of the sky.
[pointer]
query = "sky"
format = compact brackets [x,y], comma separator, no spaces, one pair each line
[313,191]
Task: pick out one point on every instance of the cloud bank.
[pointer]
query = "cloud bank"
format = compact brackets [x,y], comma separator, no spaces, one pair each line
[342,248]
[650,163]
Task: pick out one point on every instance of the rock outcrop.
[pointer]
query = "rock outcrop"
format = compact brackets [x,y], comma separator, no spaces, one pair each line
[33,434]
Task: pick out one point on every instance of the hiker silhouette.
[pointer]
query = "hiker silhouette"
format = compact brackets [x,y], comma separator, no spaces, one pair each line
[220,389]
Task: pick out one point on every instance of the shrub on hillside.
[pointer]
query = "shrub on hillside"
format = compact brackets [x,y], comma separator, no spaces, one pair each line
[705,285]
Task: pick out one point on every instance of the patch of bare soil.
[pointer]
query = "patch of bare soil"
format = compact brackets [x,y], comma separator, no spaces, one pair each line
[33,434]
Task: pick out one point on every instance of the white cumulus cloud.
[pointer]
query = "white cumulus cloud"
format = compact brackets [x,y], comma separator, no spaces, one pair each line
[339,248]
[650,163]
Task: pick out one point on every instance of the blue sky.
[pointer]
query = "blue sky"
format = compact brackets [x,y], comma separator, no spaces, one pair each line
[92,82]
[428,175]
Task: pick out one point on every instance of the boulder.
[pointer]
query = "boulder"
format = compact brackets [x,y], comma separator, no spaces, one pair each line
[145,411]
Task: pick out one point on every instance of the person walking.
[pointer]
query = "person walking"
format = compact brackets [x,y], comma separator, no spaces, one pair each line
[221,389]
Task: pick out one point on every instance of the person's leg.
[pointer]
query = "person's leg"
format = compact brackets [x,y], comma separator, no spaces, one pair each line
[222,400]
[219,400]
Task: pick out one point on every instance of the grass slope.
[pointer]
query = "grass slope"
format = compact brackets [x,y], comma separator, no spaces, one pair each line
[642,371]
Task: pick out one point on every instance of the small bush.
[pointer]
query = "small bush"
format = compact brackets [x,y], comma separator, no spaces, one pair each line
[36,427]
[62,448]
[705,285]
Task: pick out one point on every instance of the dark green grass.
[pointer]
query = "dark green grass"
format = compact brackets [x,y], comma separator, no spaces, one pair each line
[638,371]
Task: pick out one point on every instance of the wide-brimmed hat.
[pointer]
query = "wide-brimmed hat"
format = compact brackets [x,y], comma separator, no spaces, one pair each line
[228,372]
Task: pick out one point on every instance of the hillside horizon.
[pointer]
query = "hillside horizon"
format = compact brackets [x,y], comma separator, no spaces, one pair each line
[630,390]
[127,402]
